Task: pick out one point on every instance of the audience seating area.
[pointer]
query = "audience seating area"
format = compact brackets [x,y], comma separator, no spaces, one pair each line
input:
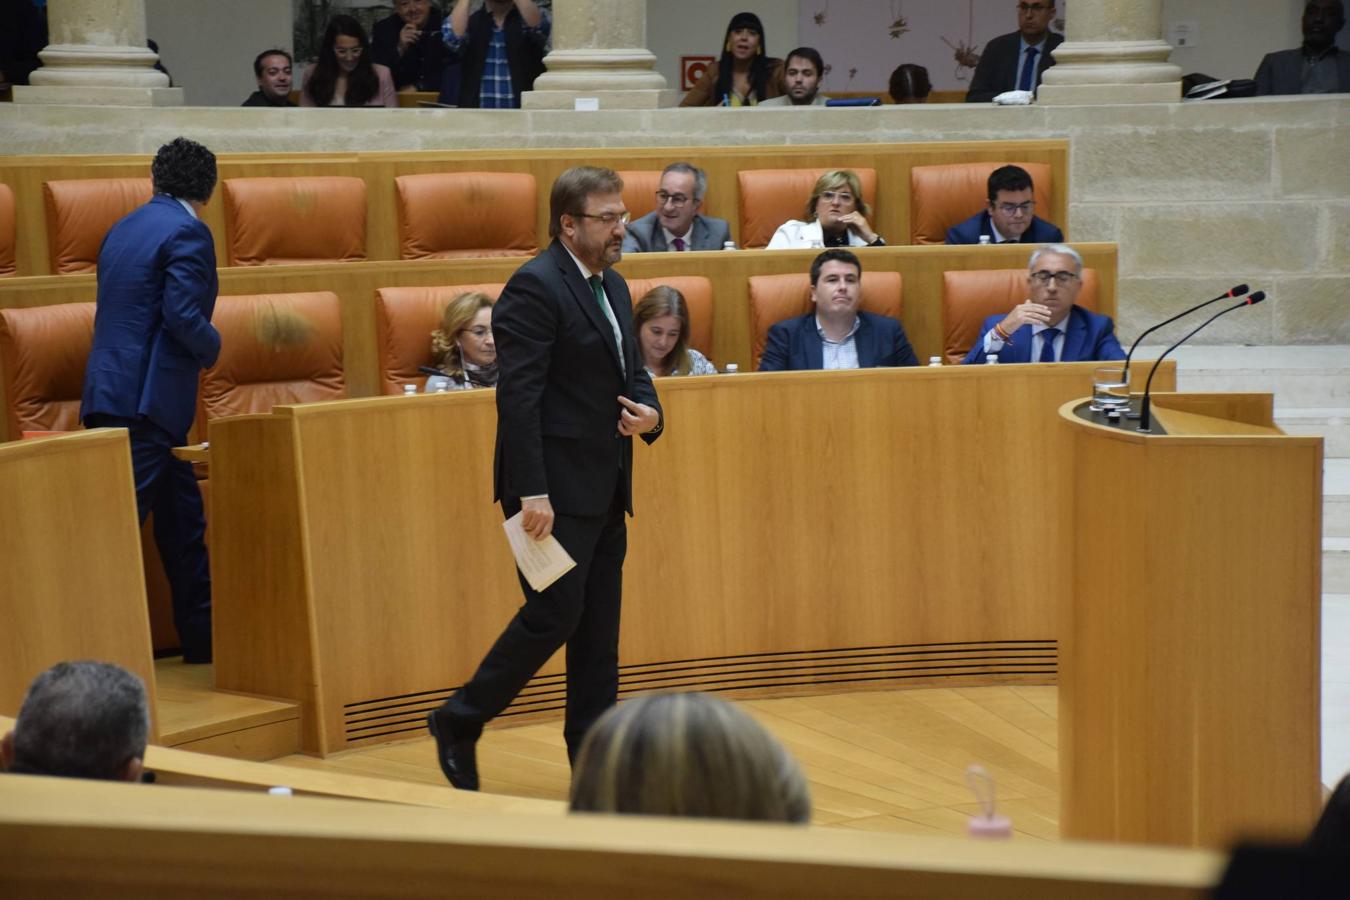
[969,297]
[943,196]
[7,238]
[774,298]
[79,214]
[276,221]
[770,197]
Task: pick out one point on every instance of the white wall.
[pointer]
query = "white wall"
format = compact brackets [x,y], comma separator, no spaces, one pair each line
[1233,35]
[208,45]
[678,28]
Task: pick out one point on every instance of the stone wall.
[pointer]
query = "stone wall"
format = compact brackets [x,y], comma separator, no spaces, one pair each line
[1199,196]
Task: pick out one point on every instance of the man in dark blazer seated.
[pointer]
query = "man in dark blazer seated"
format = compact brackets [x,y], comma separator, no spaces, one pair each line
[571,394]
[1016,61]
[1319,66]
[1009,217]
[1049,326]
[677,222]
[836,335]
[152,337]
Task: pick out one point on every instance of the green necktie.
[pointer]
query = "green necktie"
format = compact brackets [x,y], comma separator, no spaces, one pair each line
[596,288]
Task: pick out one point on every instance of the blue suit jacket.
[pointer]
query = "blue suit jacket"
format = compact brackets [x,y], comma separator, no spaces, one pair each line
[796,344]
[969,231]
[1088,336]
[152,325]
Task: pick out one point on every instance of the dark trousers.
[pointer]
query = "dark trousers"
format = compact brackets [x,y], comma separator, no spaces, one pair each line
[580,609]
[167,487]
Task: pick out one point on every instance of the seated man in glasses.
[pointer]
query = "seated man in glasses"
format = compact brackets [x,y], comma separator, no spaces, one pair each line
[676,223]
[1016,61]
[1010,217]
[1048,326]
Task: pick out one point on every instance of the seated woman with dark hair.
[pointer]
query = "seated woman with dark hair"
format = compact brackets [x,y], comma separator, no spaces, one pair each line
[661,320]
[910,84]
[463,344]
[687,755]
[344,74]
[744,75]
[836,216]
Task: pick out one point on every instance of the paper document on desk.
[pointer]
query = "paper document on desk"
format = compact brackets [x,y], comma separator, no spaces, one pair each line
[541,562]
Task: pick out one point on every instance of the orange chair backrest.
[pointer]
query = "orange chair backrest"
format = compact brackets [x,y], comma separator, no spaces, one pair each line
[770,197]
[943,196]
[79,214]
[405,317]
[449,215]
[971,296]
[774,298]
[295,220]
[8,241]
[698,296]
[639,190]
[274,349]
[43,354]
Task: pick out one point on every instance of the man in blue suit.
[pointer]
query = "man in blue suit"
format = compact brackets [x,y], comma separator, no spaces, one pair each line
[152,337]
[1048,327]
[1010,216]
[836,335]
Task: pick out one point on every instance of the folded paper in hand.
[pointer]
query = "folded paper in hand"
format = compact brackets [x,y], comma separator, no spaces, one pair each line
[541,562]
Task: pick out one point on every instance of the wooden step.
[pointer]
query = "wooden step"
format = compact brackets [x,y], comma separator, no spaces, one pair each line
[193,715]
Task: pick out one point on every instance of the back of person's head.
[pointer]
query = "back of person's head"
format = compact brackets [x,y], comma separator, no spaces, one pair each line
[1331,834]
[687,755]
[1010,179]
[834,254]
[910,84]
[258,60]
[184,169]
[833,181]
[81,720]
[573,187]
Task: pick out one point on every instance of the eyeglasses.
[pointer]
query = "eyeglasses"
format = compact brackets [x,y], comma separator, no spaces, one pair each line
[1033,7]
[348,52]
[1063,279]
[1013,209]
[478,331]
[673,199]
[841,196]
[609,220]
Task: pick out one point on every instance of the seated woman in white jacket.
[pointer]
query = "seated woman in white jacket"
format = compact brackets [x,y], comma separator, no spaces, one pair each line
[836,216]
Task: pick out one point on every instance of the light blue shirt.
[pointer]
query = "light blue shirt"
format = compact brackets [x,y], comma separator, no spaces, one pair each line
[839,354]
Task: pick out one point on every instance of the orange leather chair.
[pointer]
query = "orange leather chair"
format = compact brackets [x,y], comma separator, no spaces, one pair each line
[769,197]
[79,214]
[8,242]
[449,215]
[43,352]
[943,196]
[639,190]
[293,220]
[404,320]
[969,297]
[774,298]
[697,291]
[274,349]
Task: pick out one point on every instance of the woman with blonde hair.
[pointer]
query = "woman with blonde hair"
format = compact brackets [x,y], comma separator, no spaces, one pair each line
[463,344]
[687,755]
[836,216]
[661,320]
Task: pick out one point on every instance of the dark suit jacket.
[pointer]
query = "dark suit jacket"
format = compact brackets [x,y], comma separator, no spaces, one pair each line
[646,236]
[969,231]
[558,383]
[1282,72]
[152,325]
[996,71]
[423,64]
[1088,336]
[796,344]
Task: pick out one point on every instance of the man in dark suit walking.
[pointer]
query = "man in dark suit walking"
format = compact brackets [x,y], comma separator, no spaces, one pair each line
[571,394]
[152,337]
[1016,61]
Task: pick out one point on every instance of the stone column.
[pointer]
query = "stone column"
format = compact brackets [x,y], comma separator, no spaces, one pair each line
[98,57]
[1113,53]
[599,50]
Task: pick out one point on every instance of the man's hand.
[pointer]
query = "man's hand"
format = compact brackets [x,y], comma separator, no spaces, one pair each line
[636,418]
[537,518]
[1027,313]
[857,223]
[407,36]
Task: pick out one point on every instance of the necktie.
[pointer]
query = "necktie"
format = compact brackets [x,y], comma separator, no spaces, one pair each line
[1028,70]
[679,243]
[1048,344]
[599,292]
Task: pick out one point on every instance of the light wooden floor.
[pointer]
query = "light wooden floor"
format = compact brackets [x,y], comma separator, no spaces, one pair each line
[878,760]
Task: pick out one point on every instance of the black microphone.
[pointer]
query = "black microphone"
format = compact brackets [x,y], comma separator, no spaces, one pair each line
[1238,291]
[432,370]
[1144,420]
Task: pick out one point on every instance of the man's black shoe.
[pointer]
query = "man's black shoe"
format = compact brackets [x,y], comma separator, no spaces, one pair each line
[455,752]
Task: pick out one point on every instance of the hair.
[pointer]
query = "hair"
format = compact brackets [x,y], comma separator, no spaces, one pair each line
[1331,834]
[573,187]
[664,300]
[910,84]
[362,82]
[832,181]
[811,54]
[459,313]
[258,60]
[700,177]
[759,66]
[1061,250]
[834,254]
[184,169]
[687,755]
[82,720]
[1008,178]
